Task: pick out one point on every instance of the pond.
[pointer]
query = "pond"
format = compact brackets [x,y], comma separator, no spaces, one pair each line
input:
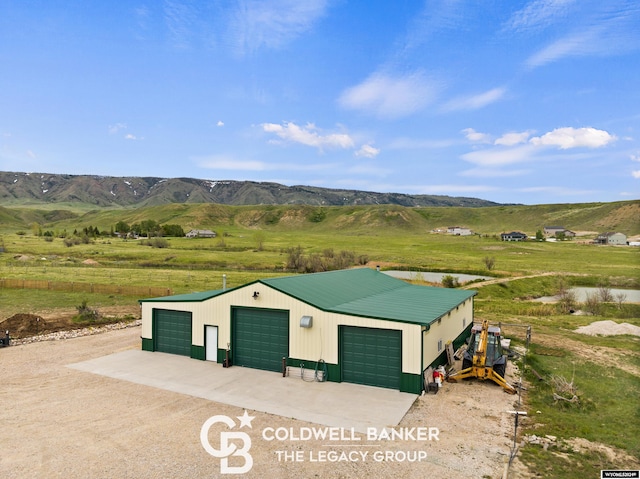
[631,295]
[433,277]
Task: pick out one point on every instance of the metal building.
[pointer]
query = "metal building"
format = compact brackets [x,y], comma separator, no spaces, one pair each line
[360,326]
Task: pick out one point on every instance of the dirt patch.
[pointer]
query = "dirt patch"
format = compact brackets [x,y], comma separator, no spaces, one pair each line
[610,357]
[24,325]
[614,455]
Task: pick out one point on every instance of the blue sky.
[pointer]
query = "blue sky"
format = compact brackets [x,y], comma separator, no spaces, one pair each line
[511,101]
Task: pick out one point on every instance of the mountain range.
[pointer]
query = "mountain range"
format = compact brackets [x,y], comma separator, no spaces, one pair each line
[111,191]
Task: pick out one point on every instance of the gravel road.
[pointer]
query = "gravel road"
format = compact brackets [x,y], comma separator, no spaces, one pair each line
[60,422]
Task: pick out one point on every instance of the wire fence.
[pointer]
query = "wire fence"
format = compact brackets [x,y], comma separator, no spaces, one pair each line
[72,286]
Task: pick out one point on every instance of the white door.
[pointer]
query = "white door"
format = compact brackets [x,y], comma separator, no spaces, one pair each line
[211,343]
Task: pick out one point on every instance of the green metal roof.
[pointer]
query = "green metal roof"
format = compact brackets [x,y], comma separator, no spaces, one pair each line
[188,297]
[372,294]
[357,292]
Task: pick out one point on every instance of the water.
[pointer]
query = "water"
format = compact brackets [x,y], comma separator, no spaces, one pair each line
[631,295]
[433,277]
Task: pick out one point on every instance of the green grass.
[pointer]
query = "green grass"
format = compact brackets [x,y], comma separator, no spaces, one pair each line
[609,414]
[14,301]
[239,250]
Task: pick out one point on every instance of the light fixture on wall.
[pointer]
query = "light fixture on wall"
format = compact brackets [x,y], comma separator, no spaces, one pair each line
[256,294]
[306,321]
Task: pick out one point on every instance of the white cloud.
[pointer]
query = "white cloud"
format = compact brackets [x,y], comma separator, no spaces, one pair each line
[390,97]
[582,43]
[367,151]
[255,23]
[129,136]
[636,174]
[569,137]
[512,148]
[597,28]
[635,157]
[220,123]
[475,102]
[180,18]
[476,136]
[538,14]
[309,136]
[31,154]
[113,129]
[493,157]
[510,139]
[227,162]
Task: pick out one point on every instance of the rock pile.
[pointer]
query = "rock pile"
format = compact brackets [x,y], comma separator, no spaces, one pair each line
[76,332]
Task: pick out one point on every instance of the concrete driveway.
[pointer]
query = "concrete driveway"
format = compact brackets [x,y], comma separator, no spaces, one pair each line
[331,404]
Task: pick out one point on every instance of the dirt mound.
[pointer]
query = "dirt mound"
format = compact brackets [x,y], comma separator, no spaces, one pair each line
[23,325]
[609,328]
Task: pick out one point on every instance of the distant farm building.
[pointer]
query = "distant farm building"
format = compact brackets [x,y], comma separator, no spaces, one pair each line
[201,234]
[459,231]
[555,231]
[513,236]
[611,238]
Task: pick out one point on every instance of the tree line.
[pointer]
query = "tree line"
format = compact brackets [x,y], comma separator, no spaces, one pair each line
[148,228]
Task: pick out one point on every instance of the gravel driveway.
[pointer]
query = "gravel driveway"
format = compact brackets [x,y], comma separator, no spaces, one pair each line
[61,422]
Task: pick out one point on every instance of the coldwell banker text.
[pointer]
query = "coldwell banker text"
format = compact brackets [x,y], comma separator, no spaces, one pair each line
[342,434]
[349,438]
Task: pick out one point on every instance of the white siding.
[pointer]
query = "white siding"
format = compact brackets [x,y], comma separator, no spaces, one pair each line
[310,344]
[447,329]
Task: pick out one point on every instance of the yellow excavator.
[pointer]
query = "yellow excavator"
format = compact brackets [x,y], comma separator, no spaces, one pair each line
[484,358]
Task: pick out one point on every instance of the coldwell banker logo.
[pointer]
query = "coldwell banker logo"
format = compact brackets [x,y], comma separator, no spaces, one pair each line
[233,444]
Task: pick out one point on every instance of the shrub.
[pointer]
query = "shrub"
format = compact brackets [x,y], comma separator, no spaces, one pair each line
[85,313]
[449,281]
[71,241]
[489,262]
[592,304]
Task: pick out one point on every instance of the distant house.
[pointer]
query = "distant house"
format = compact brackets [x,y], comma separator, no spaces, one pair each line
[554,231]
[201,234]
[459,231]
[513,236]
[611,238]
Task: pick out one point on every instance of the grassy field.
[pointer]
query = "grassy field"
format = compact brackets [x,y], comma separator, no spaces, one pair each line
[605,369]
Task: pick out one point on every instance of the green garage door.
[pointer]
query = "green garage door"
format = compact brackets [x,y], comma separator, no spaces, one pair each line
[260,338]
[172,331]
[371,356]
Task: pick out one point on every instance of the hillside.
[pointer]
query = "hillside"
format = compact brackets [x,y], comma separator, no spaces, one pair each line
[108,191]
[371,220]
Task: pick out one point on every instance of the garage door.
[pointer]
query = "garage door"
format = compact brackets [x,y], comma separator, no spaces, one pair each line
[260,338]
[371,356]
[172,331]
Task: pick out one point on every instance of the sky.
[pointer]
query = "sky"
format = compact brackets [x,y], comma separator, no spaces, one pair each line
[531,102]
